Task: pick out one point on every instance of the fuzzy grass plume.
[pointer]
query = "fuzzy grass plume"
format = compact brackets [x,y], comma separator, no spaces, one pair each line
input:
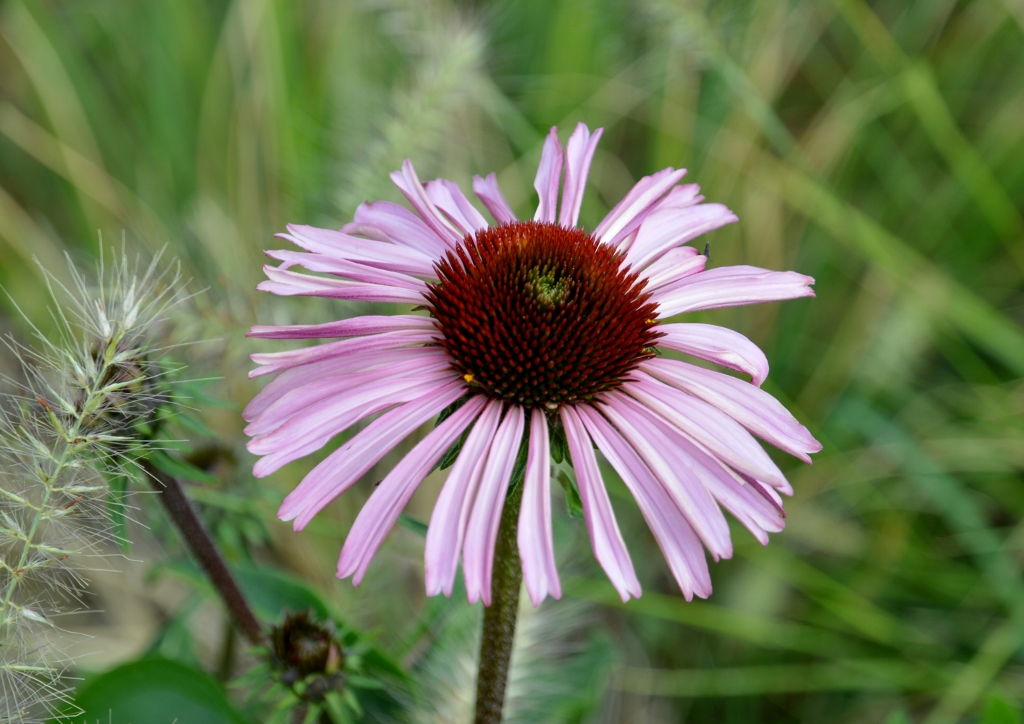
[69,433]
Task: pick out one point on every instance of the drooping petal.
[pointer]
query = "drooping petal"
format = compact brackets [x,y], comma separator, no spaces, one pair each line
[367,251]
[619,222]
[293,284]
[482,534]
[300,398]
[716,344]
[678,542]
[346,268]
[487,190]
[711,290]
[753,408]
[352,327]
[397,224]
[312,428]
[448,197]
[381,511]
[676,472]
[275,361]
[744,499]
[549,175]
[304,374]
[409,184]
[663,230]
[605,538]
[351,461]
[536,544]
[741,496]
[679,197]
[579,152]
[451,511]
[707,426]
[676,264]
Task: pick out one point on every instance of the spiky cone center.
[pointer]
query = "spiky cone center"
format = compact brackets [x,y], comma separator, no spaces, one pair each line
[540,315]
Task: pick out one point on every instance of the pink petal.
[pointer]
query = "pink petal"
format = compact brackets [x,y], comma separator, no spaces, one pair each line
[753,408]
[605,538]
[381,511]
[276,361]
[646,192]
[354,327]
[710,291]
[320,390]
[678,542]
[706,425]
[293,284]
[374,253]
[304,374]
[410,185]
[397,224]
[549,174]
[716,344]
[451,511]
[676,471]
[313,427]
[663,230]
[448,197]
[765,491]
[536,545]
[674,265]
[579,152]
[482,534]
[489,193]
[345,268]
[679,198]
[351,461]
[744,500]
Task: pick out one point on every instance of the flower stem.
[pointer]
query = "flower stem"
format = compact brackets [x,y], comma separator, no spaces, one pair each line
[184,517]
[499,627]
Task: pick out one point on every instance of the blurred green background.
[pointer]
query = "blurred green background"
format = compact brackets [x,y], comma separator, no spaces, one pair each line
[878,147]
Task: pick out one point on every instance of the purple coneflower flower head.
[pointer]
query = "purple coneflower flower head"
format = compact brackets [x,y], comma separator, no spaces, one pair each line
[536,328]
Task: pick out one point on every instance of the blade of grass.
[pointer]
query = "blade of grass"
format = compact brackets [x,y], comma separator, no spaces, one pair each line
[844,675]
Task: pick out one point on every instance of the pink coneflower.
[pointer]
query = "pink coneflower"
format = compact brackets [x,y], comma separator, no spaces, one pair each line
[535,328]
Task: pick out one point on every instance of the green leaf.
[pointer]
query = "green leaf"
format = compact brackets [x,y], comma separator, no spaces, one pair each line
[155,691]
[271,592]
[448,459]
[450,410]
[453,452]
[519,469]
[898,717]
[1001,710]
[573,503]
[181,469]
[559,445]
[416,525]
[116,507]
[363,682]
[193,423]
[335,706]
[194,392]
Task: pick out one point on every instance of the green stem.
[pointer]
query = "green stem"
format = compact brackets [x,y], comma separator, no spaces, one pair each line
[499,627]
